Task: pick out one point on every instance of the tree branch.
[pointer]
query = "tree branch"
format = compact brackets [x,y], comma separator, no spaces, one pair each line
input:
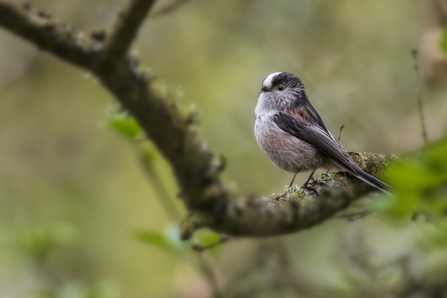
[125,29]
[414,52]
[196,171]
[167,7]
[46,33]
[165,125]
[299,209]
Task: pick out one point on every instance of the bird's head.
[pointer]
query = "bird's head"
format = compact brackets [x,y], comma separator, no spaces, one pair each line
[280,90]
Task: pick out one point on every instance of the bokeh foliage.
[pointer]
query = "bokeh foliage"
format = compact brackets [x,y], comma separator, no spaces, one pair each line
[421,184]
[80,203]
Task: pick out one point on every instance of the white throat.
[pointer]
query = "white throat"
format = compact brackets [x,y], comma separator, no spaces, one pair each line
[263,107]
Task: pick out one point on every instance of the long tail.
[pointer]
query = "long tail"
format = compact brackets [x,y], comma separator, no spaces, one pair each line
[373,181]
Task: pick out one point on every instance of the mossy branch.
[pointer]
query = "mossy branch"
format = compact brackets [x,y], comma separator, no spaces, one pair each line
[197,173]
[299,209]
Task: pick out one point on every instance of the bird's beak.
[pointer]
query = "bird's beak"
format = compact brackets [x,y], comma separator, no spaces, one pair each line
[263,88]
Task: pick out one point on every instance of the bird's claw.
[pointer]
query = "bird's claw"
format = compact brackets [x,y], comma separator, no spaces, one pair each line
[309,188]
[280,196]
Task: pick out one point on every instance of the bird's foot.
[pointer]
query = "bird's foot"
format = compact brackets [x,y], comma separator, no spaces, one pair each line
[309,188]
[280,195]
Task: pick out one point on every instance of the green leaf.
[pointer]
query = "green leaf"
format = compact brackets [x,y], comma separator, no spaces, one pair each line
[207,237]
[444,40]
[38,241]
[412,176]
[147,157]
[125,125]
[168,241]
[437,159]
[435,235]
[421,185]
[398,207]
[154,238]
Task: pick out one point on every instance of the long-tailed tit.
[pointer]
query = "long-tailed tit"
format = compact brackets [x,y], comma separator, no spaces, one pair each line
[291,133]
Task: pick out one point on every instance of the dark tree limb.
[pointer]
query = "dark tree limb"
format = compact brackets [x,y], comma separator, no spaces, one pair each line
[298,210]
[47,34]
[167,7]
[125,29]
[197,173]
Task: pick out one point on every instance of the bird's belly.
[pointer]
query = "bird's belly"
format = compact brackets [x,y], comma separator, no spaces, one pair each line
[286,151]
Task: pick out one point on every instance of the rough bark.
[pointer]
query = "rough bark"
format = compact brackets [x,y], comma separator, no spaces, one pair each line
[299,209]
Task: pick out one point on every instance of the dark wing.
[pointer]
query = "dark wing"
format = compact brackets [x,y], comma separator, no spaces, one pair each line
[316,136]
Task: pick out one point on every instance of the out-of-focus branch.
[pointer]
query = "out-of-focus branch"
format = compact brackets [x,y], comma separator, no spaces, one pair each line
[167,7]
[197,173]
[200,248]
[46,33]
[162,193]
[414,53]
[209,274]
[124,30]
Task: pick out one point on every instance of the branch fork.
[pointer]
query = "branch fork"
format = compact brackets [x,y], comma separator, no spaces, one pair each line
[105,53]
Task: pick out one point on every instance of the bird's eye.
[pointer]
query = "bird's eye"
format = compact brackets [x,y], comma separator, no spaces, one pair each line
[280,87]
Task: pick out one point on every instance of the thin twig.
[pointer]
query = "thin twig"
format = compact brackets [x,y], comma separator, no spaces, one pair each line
[125,29]
[443,5]
[162,193]
[414,52]
[42,263]
[222,240]
[341,129]
[209,274]
[167,7]
[300,285]
[240,278]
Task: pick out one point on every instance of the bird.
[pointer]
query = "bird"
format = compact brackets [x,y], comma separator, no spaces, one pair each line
[292,134]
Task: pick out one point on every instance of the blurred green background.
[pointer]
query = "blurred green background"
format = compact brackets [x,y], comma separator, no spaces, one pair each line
[73,192]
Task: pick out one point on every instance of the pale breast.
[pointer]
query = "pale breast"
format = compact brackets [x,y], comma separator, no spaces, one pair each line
[285,151]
